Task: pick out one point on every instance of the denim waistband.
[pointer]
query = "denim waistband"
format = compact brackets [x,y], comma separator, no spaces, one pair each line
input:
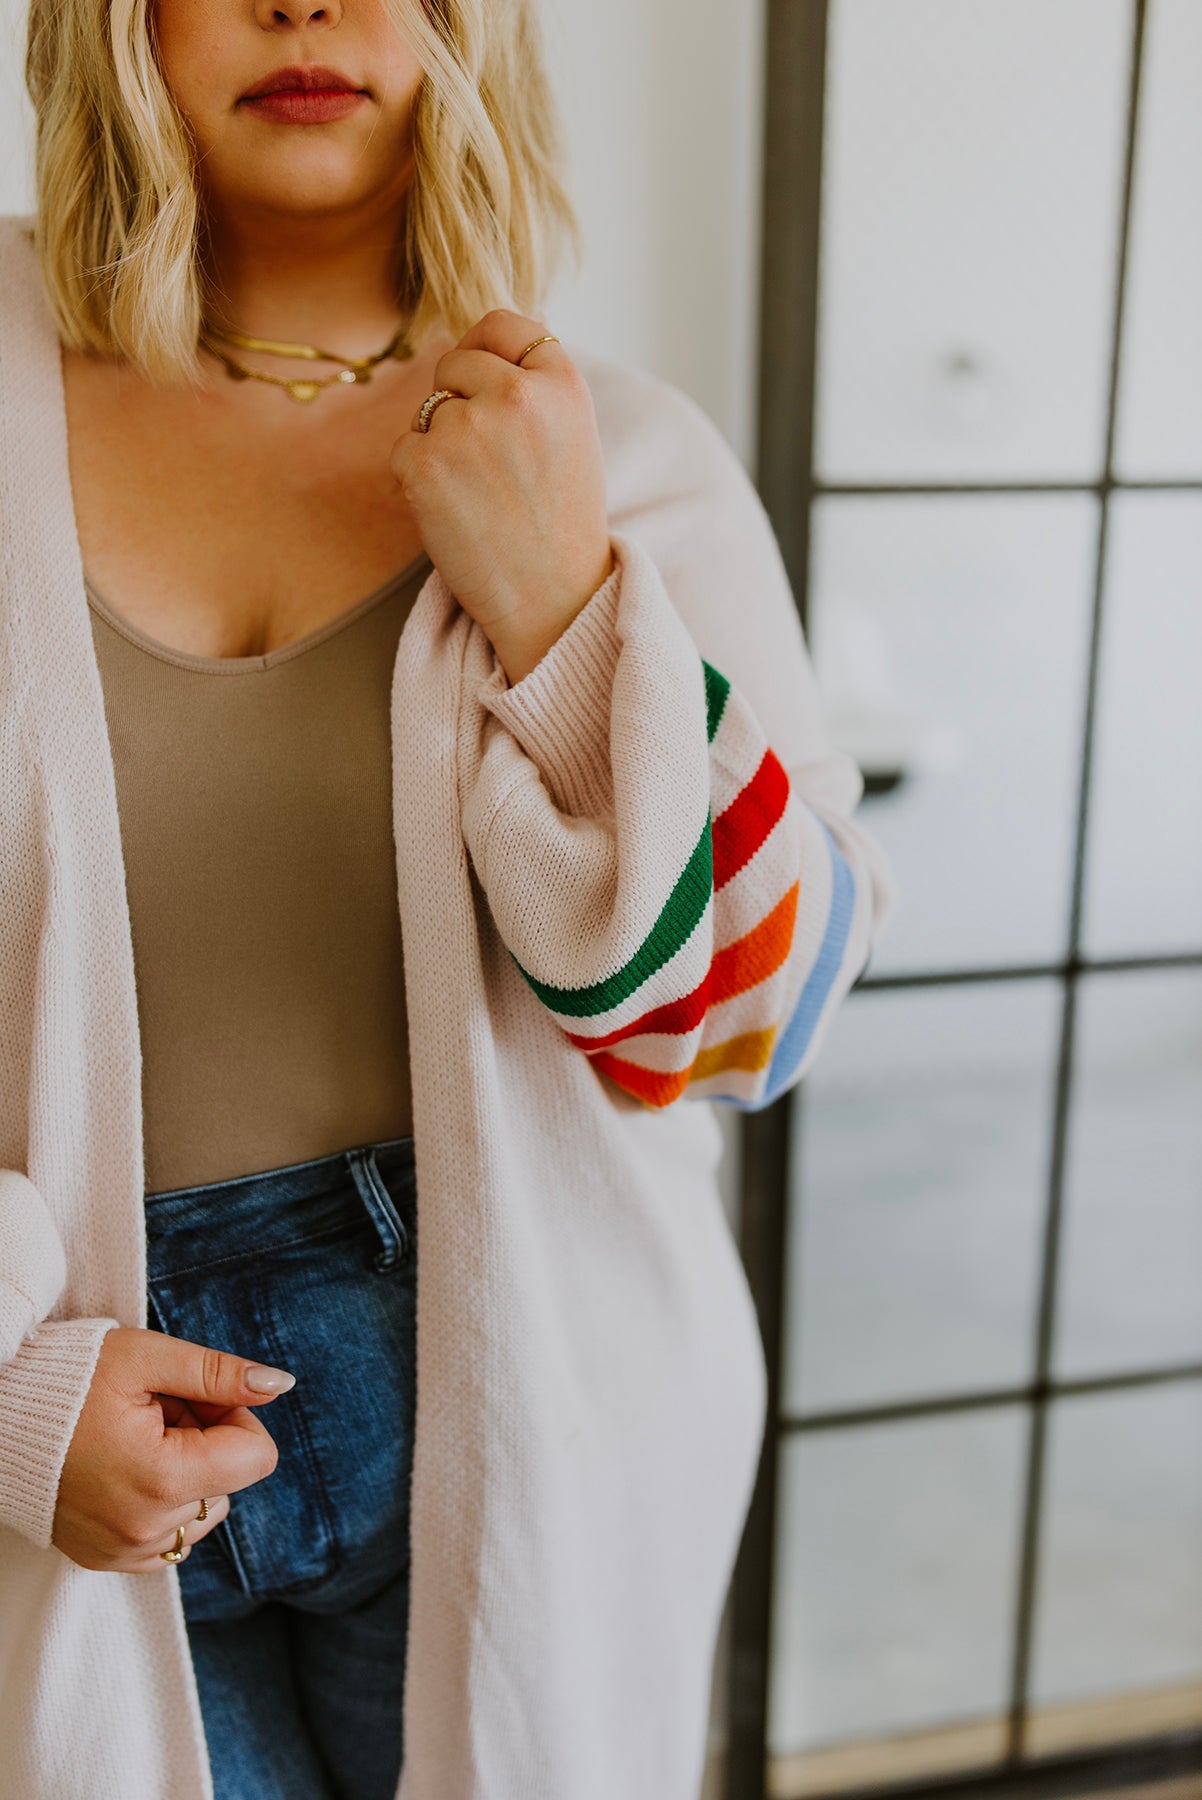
[274,1207]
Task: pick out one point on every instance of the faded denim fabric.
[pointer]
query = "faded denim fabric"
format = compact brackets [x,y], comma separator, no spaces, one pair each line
[297,1603]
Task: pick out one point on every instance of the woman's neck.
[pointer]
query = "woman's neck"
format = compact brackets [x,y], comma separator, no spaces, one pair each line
[326,282]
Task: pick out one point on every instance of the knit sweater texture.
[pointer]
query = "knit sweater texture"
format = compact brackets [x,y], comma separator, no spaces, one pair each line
[631,888]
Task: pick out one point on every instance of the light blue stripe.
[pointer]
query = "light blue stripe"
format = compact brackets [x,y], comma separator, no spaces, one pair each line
[794,1040]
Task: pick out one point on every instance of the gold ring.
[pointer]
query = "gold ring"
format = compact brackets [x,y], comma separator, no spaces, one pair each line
[176,1554]
[431,406]
[204,1510]
[549,339]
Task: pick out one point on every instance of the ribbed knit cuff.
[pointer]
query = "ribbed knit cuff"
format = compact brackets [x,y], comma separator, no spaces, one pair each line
[559,712]
[42,1391]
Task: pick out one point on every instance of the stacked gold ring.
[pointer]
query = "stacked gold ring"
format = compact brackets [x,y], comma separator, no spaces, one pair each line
[431,406]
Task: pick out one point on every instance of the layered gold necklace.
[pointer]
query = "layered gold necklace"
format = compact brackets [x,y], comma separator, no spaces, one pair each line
[303,388]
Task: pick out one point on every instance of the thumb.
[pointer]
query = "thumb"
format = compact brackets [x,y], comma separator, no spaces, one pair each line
[171,1365]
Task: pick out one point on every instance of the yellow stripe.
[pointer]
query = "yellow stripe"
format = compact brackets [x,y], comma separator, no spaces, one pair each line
[752,1052]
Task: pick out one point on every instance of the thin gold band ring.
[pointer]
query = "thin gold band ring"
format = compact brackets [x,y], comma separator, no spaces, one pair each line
[550,338]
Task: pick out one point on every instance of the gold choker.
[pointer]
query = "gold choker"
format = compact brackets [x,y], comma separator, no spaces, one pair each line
[354,368]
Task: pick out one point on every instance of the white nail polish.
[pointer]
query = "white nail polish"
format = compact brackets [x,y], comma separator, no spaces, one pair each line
[261,1379]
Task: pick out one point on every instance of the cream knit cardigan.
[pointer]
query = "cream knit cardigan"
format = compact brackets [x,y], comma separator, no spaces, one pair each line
[591,1387]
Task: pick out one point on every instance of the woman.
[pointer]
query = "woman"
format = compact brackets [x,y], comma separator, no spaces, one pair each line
[450,633]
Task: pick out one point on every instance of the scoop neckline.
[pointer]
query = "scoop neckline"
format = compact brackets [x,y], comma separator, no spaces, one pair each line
[239,665]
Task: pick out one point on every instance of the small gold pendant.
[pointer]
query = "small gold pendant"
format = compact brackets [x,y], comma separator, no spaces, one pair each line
[304,390]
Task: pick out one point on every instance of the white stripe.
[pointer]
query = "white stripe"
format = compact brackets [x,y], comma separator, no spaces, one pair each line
[736,752]
[677,977]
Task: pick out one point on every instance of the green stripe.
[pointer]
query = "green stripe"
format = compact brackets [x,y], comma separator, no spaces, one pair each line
[685,906]
[716,689]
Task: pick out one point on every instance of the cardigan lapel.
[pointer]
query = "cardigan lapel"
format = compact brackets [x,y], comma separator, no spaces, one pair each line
[82,1174]
[84,1111]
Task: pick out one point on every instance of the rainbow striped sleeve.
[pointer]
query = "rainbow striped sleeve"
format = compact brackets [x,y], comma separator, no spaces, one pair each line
[723,996]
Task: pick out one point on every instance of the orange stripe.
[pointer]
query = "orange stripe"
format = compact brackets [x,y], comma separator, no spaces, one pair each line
[645,1084]
[734,970]
[758,954]
[741,965]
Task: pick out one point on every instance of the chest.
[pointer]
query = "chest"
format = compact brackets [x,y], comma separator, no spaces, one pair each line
[223,528]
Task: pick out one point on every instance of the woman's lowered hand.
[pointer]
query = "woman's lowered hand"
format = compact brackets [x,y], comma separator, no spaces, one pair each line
[165,1424]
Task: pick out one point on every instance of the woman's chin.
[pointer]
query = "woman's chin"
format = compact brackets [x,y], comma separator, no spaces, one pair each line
[304,180]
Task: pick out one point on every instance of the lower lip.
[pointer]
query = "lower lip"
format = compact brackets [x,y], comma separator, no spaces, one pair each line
[295,108]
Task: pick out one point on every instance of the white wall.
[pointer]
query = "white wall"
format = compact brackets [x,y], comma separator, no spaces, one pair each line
[16,118]
[662,104]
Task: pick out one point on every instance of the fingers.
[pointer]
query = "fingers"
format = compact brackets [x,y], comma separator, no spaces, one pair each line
[148,1559]
[197,1372]
[472,372]
[485,361]
[506,334]
[222,1458]
[468,375]
[139,1455]
[217,1507]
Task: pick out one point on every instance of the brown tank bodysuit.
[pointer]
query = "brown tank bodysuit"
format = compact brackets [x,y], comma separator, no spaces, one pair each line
[255,800]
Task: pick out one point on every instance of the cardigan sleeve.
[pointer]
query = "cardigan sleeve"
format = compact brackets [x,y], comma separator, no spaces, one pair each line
[46,1366]
[667,844]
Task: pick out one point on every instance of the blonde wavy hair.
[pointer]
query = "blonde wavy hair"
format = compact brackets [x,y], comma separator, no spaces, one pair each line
[119,216]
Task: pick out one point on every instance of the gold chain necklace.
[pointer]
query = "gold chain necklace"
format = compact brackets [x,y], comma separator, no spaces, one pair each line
[354,369]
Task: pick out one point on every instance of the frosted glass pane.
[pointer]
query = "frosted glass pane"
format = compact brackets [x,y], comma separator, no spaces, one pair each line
[972,185]
[1144,890]
[1133,1225]
[980,608]
[921,1179]
[895,1577]
[1120,1606]
[1160,388]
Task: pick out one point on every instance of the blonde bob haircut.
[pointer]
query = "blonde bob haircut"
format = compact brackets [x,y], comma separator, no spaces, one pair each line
[119,216]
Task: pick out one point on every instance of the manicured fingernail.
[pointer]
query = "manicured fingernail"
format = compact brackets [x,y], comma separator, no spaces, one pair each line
[261,1379]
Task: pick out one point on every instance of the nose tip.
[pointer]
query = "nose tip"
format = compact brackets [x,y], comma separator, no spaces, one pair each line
[295,14]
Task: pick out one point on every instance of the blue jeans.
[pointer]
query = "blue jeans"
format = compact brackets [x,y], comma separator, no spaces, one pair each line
[297,1604]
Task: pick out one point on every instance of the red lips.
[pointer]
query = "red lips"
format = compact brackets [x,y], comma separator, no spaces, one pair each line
[302,78]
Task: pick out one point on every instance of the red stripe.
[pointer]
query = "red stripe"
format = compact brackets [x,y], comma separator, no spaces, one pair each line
[675,1017]
[740,966]
[645,1084]
[741,828]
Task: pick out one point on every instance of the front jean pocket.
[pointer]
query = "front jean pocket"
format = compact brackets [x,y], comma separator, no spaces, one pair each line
[345,1431]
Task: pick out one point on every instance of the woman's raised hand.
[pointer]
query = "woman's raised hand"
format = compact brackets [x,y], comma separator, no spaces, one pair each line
[165,1424]
[508,487]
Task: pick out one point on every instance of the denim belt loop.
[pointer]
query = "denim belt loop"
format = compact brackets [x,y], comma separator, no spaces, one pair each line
[390,1227]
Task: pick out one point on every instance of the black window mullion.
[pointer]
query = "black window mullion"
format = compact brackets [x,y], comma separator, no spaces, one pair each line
[930,1406]
[795,81]
[1035,1484]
